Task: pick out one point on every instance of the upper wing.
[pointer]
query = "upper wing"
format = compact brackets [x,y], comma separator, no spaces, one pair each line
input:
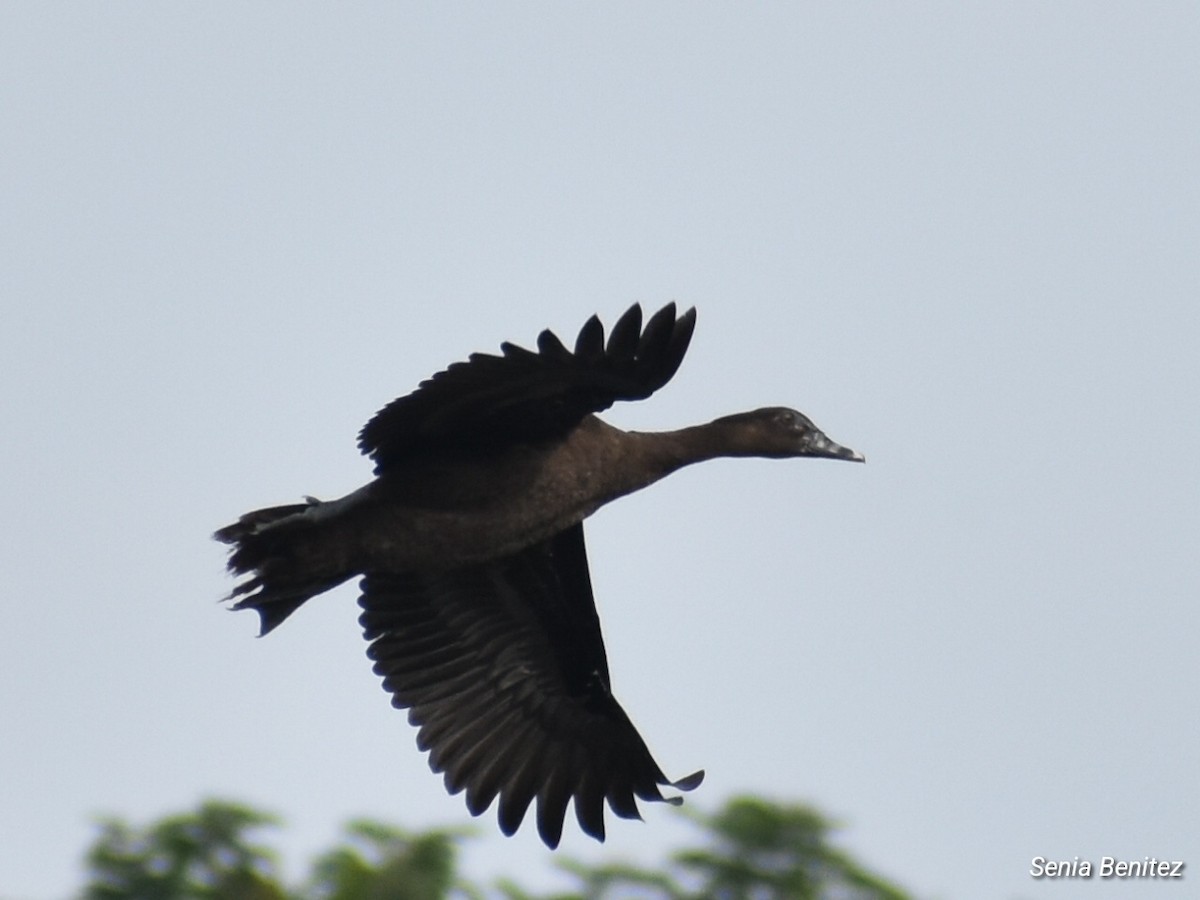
[502,667]
[490,401]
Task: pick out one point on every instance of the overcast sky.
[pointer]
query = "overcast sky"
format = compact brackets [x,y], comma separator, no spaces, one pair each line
[962,237]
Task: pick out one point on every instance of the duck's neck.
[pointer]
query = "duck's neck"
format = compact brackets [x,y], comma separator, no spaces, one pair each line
[602,463]
[671,450]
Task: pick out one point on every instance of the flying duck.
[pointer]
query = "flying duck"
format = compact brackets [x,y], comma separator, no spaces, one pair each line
[476,597]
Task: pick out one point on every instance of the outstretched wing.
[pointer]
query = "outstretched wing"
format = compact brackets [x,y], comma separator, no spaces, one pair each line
[502,667]
[490,402]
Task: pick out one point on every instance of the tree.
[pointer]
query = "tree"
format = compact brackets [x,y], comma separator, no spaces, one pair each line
[753,849]
[761,849]
[204,855]
[750,849]
[382,862]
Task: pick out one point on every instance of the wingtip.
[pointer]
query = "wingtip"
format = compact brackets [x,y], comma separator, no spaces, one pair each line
[550,833]
[685,784]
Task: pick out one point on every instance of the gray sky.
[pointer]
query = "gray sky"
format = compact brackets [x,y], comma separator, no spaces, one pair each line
[962,237]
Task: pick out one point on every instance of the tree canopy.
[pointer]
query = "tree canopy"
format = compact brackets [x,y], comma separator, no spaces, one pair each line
[749,849]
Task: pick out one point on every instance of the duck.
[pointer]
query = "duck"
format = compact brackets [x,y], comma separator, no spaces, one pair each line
[476,597]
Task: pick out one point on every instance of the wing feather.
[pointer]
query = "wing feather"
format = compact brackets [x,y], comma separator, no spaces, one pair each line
[490,402]
[502,668]
[589,346]
[623,342]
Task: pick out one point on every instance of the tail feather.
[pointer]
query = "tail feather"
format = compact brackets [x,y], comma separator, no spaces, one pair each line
[269,545]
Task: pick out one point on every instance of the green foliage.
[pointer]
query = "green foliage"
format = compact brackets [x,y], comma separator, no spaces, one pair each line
[750,849]
[753,849]
[381,862]
[760,849]
[203,855]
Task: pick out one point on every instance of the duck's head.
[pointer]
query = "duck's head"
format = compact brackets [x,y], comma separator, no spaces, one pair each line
[778,432]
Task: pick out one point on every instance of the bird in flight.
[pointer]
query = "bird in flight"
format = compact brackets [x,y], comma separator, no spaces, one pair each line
[476,596]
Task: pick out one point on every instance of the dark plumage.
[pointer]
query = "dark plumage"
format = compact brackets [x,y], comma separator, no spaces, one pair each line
[475,592]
